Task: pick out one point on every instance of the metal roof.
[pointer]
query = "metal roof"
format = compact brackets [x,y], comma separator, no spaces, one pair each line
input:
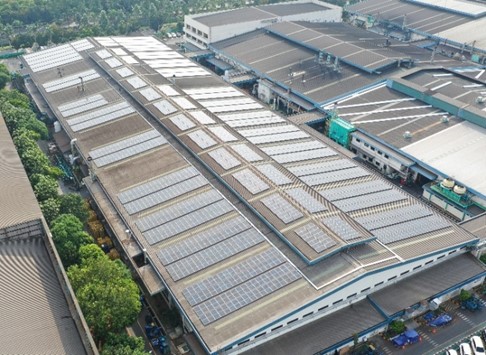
[194,235]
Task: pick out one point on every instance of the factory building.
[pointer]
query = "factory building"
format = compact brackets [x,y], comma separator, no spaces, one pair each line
[255,228]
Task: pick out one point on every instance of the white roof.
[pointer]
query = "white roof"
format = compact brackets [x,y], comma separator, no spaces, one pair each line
[466,7]
[457,152]
[467,33]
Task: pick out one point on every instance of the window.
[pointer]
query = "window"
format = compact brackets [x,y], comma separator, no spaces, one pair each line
[370,159]
[337,302]
[365,289]
[417,267]
[452,252]
[358,140]
[440,257]
[377,163]
[292,321]
[392,278]
[260,335]
[280,326]
[307,315]
[379,283]
[320,309]
[243,342]
[428,262]
[354,294]
[366,145]
[386,156]
[380,152]
[405,272]
[205,35]
[373,148]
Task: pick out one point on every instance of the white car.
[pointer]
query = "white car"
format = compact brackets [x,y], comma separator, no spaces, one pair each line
[465,349]
[451,352]
[477,345]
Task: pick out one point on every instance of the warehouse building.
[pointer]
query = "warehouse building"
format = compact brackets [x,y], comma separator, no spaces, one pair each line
[39,311]
[203,29]
[252,226]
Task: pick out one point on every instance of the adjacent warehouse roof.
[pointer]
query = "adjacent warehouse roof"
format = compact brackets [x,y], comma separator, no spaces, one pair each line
[294,55]
[331,220]
[37,315]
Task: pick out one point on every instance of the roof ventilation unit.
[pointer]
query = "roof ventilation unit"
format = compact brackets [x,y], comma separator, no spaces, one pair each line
[448,183]
[444,119]
[480,100]
[460,190]
[407,135]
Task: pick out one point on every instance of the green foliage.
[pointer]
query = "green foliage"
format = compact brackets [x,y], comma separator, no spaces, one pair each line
[68,235]
[4,76]
[17,118]
[50,209]
[122,344]
[90,253]
[483,258]
[464,295]
[45,188]
[15,98]
[396,327]
[106,293]
[74,204]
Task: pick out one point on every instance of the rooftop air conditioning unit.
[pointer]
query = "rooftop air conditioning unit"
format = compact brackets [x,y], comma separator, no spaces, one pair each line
[480,100]
[407,135]
[444,119]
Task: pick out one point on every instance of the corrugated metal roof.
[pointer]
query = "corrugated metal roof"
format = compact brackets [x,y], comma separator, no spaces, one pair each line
[14,210]
[35,317]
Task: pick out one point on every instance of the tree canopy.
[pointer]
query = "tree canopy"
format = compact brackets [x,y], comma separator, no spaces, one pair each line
[106,293]
[122,344]
[68,234]
[75,205]
[4,76]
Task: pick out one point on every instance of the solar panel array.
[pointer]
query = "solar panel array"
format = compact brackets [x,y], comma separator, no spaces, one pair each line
[203,240]
[202,139]
[168,90]
[246,293]
[335,176]
[82,45]
[136,82]
[273,174]
[79,106]
[184,103]
[293,148]
[150,94]
[103,54]
[315,237]
[224,158]
[341,228]
[182,122]
[165,107]
[71,80]
[202,117]
[281,208]
[395,216]
[52,58]
[214,254]
[370,200]
[246,152]
[232,276]
[250,181]
[124,72]
[254,122]
[306,200]
[223,134]
[321,167]
[302,156]
[348,191]
[268,130]
[113,62]
[273,138]
[100,116]
[125,148]
[416,227]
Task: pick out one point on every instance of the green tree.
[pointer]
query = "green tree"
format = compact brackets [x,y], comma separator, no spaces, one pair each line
[122,344]
[50,209]
[106,293]
[4,79]
[464,295]
[74,204]
[45,188]
[68,235]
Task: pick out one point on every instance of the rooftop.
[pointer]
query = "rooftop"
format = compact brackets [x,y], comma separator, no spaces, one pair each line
[174,149]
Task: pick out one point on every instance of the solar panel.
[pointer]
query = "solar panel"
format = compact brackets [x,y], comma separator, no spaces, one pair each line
[182,122]
[321,167]
[272,138]
[130,151]
[216,95]
[341,228]
[306,200]
[150,94]
[184,103]
[246,293]
[129,59]
[165,107]
[232,276]
[250,181]
[52,58]
[82,45]
[165,195]
[214,254]
[201,117]
[315,237]
[209,89]
[168,90]
[202,139]
[303,156]
[268,130]
[335,176]
[242,107]
[395,216]
[113,62]
[187,222]
[340,193]
[273,174]
[223,134]
[246,152]
[227,102]
[203,240]
[119,51]
[224,158]
[177,210]
[103,115]
[255,122]
[416,227]
[71,80]
[103,54]
[124,72]
[79,106]
[370,200]
[136,82]
[293,148]
[157,184]
[246,115]
[281,208]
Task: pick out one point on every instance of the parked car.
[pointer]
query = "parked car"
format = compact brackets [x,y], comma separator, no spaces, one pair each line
[407,337]
[465,349]
[440,321]
[451,352]
[477,345]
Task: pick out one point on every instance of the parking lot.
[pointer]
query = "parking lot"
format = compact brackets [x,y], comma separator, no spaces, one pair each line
[435,341]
